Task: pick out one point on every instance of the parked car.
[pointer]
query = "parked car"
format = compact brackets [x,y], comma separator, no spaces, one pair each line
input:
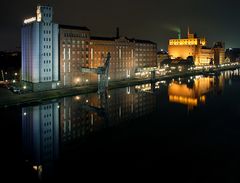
[15,89]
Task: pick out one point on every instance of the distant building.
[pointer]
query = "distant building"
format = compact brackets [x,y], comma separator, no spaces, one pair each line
[196,47]
[233,54]
[40,65]
[161,56]
[10,66]
[219,53]
[190,46]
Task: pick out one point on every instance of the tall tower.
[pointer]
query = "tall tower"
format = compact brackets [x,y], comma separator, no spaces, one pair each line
[40,65]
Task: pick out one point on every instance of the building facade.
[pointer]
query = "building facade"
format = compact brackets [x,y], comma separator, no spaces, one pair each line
[40,63]
[79,49]
[219,53]
[191,46]
[74,54]
[53,54]
[161,56]
[196,47]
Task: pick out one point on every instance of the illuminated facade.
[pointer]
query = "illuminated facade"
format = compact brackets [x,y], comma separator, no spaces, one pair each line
[219,53]
[74,54]
[192,46]
[79,49]
[40,63]
[53,54]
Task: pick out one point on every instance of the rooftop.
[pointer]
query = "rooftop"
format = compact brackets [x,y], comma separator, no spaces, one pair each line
[73,27]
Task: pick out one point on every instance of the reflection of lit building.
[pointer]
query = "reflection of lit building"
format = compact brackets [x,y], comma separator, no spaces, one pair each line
[40,134]
[196,47]
[191,96]
[82,115]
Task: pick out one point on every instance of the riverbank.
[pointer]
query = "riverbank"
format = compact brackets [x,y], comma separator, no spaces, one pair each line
[9,99]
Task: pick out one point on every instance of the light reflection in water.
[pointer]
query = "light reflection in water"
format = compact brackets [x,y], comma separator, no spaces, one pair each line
[193,91]
[48,128]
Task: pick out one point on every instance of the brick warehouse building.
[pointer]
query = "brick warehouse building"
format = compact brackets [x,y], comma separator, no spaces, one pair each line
[77,48]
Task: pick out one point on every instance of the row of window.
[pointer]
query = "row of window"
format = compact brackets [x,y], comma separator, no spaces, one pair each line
[47,46]
[47,15]
[47,124]
[46,70]
[47,139]
[47,115]
[74,42]
[47,61]
[46,39]
[73,52]
[47,107]
[47,131]
[46,24]
[46,32]
[82,35]
[46,54]
[47,78]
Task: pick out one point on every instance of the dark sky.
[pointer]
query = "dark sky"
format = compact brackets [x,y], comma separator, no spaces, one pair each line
[217,20]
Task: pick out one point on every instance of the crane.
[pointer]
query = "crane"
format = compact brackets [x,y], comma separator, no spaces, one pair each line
[102,72]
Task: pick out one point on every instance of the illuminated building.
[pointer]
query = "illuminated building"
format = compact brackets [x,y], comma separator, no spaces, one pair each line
[219,53]
[79,49]
[43,68]
[191,46]
[74,54]
[161,56]
[40,66]
[233,54]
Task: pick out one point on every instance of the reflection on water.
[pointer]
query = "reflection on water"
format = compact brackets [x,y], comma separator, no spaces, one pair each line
[40,135]
[45,126]
[192,91]
[48,128]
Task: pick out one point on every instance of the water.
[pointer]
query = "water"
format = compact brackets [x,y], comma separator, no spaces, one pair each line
[182,129]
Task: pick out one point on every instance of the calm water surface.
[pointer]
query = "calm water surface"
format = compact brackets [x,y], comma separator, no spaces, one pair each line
[182,129]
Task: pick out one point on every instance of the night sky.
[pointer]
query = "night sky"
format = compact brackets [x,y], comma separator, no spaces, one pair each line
[155,20]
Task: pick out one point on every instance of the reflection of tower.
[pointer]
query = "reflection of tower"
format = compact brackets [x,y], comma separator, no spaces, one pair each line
[40,135]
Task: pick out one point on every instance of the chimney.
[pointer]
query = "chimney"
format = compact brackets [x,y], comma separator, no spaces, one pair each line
[179,34]
[117,32]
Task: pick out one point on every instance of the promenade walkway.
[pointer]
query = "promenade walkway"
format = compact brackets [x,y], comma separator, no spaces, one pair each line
[7,98]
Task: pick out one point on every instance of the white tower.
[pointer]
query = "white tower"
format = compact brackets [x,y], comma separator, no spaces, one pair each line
[40,63]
